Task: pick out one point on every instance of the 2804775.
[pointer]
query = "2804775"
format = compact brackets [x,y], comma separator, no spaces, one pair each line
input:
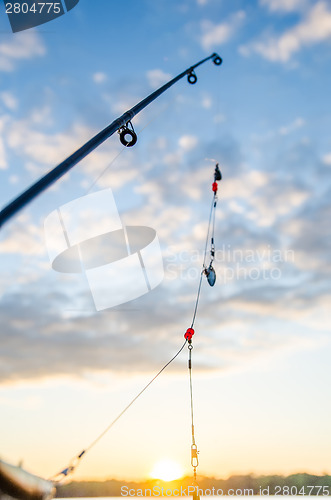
[303,490]
[34,8]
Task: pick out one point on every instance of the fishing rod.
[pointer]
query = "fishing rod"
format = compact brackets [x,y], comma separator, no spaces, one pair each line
[122,125]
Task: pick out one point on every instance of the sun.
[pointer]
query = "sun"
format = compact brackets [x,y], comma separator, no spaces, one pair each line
[167,470]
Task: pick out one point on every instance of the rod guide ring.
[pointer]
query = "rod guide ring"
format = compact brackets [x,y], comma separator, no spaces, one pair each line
[217,60]
[192,78]
[126,131]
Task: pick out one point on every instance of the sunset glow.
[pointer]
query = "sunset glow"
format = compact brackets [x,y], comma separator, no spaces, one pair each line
[167,470]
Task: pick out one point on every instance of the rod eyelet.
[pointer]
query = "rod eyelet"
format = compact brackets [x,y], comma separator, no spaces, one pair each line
[192,78]
[124,132]
[217,60]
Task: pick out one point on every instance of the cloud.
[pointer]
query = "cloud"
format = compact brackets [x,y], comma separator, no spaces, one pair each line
[3,160]
[157,77]
[22,46]
[284,5]
[291,127]
[188,142]
[314,28]
[217,34]
[13,179]
[99,77]
[327,159]
[9,100]
[257,208]
[310,229]
[39,341]
[285,202]
[27,139]
[3,155]
[23,239]
[88,343]
[286,129]
[206,101]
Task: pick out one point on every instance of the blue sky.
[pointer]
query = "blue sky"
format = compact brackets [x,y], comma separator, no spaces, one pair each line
[263,342]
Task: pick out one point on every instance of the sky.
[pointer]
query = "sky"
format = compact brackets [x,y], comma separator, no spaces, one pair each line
[262,345]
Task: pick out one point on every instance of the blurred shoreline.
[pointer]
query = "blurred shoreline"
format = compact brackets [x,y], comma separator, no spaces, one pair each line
[301,484]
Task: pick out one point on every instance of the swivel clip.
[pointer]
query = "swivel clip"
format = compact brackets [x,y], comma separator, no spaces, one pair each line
[194,456]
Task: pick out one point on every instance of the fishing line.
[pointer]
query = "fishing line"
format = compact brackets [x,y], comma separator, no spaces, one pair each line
[74,462]
[211,278]
[188,340]
[212,209]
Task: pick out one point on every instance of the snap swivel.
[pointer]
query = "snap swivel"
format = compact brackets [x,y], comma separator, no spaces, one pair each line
[194,456]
